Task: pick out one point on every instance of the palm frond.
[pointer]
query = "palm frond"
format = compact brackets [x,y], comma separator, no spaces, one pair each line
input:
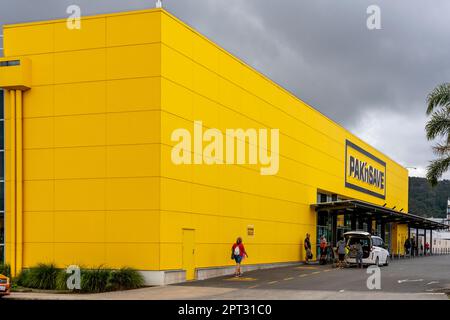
[440,96]
[436,169]
[442,149]
[438,125]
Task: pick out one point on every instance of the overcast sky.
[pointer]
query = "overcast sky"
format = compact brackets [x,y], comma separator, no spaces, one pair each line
[374,82]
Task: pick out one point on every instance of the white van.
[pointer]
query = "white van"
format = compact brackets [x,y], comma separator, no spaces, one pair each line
[373,248]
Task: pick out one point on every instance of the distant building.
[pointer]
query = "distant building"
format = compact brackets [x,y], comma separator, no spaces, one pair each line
[441,238]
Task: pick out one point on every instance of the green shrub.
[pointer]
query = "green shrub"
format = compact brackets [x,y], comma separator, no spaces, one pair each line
[95,280]
[48,277]
[61,280]
[5,269]
[43,276]
[125,279]
[22,278]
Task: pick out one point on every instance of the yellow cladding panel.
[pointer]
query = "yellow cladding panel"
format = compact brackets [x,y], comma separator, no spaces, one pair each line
[172,261]
[42,102]
[132,226]
[89,255]
[38,164]
[169,169]
[133,193]
[38,252]
[90,35]
[133,61]
[79,66]
[149,97]
[79,195]
[142,256]
[76,227]
[133,160]
[39,227]
[133,127]
[176,35]
[39,195]
[176,195]
[42,69]
[172,224]
[206,83]
[38,133]
[205,53]
[177,99]
[80,162]
[399,236]
[176,67]
[130,29]
[80,98]
[31,39]
[80,131]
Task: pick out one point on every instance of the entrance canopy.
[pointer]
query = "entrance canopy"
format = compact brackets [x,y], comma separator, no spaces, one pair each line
[361,209]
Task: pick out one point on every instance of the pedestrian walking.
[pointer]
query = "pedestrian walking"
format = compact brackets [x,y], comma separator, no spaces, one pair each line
[238,254]
[413,247]
[407,246]
[341,249]
[307,244]
[359,254]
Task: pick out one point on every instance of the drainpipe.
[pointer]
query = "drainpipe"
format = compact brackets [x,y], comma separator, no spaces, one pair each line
[16,178]
[15,77]
[12,178]
[19,181]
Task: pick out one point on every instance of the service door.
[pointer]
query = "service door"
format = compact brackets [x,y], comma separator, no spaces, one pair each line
[189,253]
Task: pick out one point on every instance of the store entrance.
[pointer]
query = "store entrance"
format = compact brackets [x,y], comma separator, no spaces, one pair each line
[332,227]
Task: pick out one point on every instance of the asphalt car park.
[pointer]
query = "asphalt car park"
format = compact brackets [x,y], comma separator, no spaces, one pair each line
[429,274]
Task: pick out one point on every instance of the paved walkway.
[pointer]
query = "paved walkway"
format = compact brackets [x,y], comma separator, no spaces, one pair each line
[199,293]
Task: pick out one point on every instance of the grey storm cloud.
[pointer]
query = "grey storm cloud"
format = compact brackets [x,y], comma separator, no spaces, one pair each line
[373,82]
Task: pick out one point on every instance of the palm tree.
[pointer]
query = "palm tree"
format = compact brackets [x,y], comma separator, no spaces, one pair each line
[439,127]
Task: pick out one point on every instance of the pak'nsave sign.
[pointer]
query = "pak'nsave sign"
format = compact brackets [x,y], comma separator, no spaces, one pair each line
[364,172]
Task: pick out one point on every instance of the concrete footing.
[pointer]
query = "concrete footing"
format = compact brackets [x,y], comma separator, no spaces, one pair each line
[166,277]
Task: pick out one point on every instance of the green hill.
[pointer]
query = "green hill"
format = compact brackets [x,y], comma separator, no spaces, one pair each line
[427,201]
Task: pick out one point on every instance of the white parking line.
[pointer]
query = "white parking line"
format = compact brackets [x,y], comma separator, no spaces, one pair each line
[407,280]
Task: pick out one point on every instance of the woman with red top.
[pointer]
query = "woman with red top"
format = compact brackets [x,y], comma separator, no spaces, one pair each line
[238,253]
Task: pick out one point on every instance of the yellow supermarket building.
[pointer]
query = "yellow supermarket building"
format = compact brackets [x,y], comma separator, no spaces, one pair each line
[90,117]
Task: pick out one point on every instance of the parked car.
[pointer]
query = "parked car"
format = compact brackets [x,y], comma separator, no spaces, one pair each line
[374,249]
[5,285]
